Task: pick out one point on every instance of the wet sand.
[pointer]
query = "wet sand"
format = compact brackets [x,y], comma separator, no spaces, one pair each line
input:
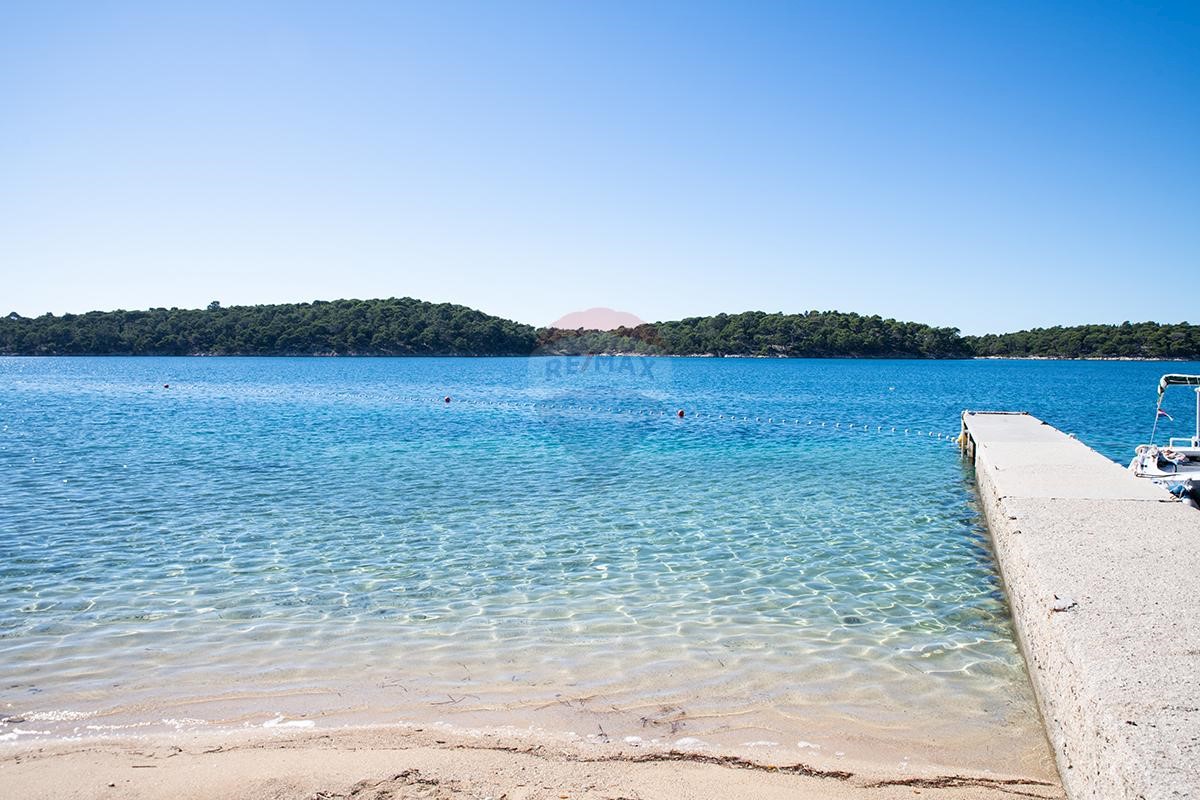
[441,764]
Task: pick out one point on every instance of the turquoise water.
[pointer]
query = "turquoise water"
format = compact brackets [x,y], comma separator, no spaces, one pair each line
[330,539]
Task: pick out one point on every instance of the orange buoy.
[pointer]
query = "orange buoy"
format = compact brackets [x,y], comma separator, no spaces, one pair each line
[679,413]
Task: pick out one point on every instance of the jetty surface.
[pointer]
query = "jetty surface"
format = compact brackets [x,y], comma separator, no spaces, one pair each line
[1102,572]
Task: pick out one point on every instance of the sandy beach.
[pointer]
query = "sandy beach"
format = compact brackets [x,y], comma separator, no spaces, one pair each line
[424,764]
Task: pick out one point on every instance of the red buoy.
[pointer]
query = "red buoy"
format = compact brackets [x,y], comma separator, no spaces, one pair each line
[679,413]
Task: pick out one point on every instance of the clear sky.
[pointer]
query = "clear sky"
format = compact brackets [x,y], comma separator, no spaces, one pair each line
[986,165]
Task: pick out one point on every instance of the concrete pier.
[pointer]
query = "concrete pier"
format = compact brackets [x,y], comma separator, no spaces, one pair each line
[1102,572]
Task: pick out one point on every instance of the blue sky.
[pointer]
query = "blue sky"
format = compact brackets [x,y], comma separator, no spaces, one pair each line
[990,166]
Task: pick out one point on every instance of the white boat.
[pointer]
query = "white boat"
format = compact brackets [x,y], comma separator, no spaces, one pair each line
[1177,464]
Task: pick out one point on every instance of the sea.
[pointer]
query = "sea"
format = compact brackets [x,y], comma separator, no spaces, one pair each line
[770,555]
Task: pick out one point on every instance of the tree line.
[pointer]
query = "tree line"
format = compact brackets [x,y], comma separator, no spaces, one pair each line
[394,327]
[1127,340]
[408,327]
[813,334]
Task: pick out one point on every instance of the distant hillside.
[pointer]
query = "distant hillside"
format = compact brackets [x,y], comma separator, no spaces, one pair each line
[1127,340]
[403,327]
[815,334]
[408,327]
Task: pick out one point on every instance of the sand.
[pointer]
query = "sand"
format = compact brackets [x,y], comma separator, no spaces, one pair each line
[384,763]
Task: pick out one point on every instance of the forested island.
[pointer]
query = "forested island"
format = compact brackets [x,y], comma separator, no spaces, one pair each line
[394,327]
[408,327]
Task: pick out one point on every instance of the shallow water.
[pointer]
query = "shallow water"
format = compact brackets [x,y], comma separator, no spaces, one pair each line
[329,538]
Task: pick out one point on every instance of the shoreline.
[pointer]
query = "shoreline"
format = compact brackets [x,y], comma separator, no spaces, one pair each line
[881,740]
[444,763]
